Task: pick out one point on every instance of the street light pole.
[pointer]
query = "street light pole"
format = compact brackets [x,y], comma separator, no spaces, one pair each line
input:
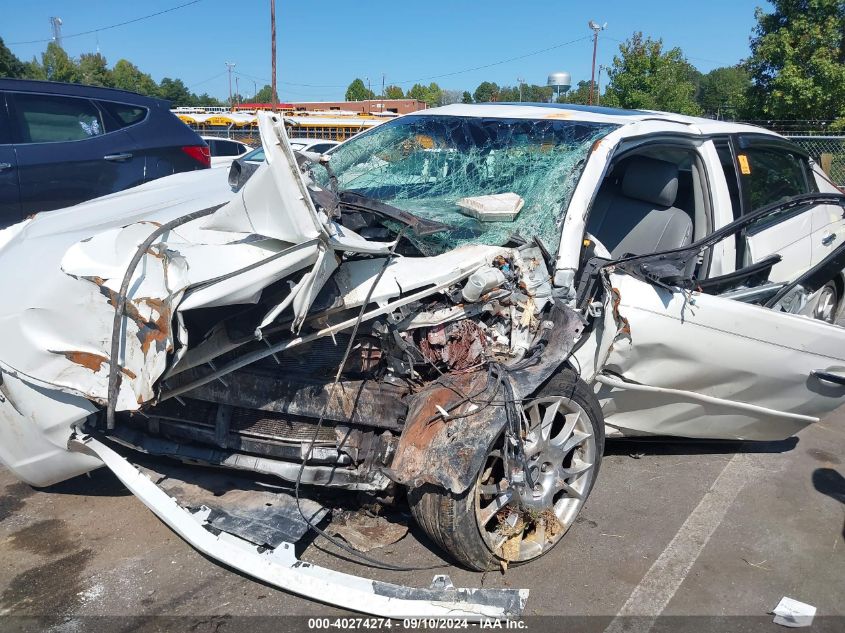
[596,27]
[230,66]
[520,81]
[275,97]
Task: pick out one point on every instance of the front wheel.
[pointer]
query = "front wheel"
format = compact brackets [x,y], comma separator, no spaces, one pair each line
[496,520]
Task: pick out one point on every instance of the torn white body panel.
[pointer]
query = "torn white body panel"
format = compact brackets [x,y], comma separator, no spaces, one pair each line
[279,567]
[708,367]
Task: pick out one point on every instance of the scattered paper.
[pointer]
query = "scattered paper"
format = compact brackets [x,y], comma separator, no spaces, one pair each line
[793,613]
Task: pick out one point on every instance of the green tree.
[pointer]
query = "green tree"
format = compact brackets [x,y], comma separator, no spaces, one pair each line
[394,92]
[127,76]
[536,94]
[207,100]
[265,95]
[432,94]
[10,65]
[467,97]
[723,92]
[486,91]
[508,94]
[93,70]
[797,60]
[175,91]
[357,91]
[33,69]
[643,75]
[580,95]
[58,66]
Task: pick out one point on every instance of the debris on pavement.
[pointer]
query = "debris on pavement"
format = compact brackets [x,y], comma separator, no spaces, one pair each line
[364,531]
[793,613]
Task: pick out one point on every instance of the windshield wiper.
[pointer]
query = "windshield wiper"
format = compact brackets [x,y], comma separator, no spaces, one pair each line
[420,226]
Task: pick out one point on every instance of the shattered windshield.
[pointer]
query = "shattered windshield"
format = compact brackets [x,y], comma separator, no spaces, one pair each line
[426,165]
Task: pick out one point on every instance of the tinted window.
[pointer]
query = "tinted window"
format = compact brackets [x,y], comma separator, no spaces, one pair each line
[771,175]
[124,114]
[224,148]
[53,119]
[320,147]
[5,133]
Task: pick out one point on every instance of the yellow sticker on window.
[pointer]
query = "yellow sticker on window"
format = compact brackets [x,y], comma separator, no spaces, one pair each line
[744,167]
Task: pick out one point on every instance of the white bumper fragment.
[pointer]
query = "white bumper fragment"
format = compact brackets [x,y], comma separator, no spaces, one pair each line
[279,567]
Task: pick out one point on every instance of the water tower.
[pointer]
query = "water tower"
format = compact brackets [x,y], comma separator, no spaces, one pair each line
[560,83]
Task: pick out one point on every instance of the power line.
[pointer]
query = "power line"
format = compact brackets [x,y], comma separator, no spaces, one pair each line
[288,83]
[449,74]
[205,81]
[502,61]
[113,26]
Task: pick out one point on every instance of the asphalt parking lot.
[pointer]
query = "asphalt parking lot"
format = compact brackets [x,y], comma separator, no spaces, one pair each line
[676,529]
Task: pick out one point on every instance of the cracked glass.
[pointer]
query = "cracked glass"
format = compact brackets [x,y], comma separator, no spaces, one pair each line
[424,164]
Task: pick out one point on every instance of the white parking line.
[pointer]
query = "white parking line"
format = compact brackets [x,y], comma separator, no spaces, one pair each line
[662,580]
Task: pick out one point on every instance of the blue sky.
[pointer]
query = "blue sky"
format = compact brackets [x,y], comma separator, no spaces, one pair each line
[323,45]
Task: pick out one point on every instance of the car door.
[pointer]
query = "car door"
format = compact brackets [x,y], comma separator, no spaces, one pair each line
[668,359]
[705,366]
[67,151]
[770,170]
[828,222]
[10,200]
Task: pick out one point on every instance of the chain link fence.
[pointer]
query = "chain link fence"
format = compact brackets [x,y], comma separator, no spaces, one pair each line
[828,151]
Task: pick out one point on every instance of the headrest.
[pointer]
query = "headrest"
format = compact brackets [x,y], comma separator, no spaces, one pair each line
[651,180]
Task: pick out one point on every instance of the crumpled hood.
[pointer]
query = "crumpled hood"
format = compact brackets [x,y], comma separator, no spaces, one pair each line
[56,312]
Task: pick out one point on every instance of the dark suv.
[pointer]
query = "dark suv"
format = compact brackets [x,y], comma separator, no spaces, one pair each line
[61,144]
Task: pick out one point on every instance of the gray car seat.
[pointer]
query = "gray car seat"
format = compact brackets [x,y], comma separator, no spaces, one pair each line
[640,217]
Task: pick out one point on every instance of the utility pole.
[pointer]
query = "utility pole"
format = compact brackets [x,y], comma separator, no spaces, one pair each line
[273,51]
[230,66]
[596,28]
[237,90]
[520,81]
[56,26]
[598,85]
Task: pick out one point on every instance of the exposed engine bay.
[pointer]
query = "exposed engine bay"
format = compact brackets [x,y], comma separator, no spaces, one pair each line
[307,331]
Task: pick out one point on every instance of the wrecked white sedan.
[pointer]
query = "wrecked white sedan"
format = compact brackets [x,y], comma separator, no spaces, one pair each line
[455,305]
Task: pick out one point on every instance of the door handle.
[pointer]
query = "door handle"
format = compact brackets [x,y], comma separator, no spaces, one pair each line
[828,239]
[5,166]
[117,157]
[829,376]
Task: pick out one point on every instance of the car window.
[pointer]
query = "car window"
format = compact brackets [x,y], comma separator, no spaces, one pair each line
[255,156]
[53,119]
[297,146]
[124,114]
[224,148]
[770,175]
[5,133]
[321,147]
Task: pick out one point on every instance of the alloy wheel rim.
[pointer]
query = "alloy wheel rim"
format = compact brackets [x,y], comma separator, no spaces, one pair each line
[560,449]
[826,304]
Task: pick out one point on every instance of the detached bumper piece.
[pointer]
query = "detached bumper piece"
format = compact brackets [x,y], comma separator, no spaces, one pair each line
[279,566]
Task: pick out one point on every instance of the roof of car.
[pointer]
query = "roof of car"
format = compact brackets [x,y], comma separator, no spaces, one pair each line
[78,90]
[598,114]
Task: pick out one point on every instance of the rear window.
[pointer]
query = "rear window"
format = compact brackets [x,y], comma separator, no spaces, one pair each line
[54,119]
[124,114]
[224,148]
